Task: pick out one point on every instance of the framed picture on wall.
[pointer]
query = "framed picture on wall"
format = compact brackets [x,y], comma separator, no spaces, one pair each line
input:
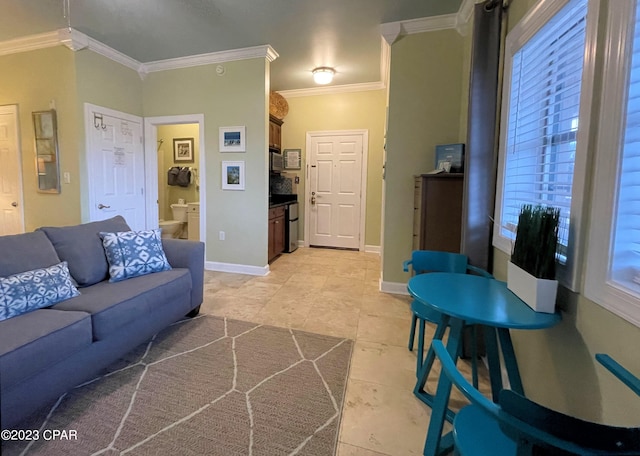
[183,150]
[232,175]
[232,139]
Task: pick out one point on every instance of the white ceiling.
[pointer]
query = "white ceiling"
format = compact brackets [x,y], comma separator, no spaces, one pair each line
[344,34]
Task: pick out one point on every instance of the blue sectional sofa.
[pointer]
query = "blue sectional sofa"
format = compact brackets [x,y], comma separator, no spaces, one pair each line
[45,352]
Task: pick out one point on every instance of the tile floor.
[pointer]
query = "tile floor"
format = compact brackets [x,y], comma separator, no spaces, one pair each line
[335,292]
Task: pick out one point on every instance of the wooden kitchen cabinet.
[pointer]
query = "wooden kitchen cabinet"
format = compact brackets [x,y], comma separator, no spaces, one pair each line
[437,212]
[275,133]
[276,232]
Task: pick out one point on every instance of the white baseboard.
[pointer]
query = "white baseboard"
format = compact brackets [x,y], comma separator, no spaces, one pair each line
[372,249]
[394,288]
[236,268]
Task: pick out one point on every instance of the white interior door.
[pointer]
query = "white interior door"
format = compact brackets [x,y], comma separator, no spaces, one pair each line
[115,157]
[11,211]
[335,190]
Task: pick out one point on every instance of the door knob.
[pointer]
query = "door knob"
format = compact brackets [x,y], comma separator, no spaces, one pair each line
[102,206]
[14,204]
[313,197]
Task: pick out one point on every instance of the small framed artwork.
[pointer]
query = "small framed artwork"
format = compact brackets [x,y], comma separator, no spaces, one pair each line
[183,150]
[233,175]
[232,139]
[292,158]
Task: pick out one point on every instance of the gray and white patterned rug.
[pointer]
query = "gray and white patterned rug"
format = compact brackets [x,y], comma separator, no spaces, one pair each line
[206,386]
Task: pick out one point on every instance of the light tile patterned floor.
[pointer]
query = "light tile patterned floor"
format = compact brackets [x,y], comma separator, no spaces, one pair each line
[335,292]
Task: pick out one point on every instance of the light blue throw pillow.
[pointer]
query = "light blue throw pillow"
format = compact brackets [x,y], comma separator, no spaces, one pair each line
[134,253]
[26,291]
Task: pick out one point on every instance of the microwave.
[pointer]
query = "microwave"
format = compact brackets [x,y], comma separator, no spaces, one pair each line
[276,162]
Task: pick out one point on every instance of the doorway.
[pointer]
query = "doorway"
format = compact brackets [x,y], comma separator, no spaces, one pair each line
[178,155]
[336,190]
[157,165]
[11,200]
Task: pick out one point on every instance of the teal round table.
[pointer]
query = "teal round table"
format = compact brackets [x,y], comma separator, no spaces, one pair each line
[478,300]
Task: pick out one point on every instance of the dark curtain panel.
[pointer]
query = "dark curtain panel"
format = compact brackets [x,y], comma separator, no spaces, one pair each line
[481,147]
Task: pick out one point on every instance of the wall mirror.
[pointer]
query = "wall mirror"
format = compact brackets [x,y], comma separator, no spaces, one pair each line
[47,163]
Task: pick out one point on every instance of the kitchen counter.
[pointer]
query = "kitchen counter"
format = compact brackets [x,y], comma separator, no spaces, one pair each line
[276,200]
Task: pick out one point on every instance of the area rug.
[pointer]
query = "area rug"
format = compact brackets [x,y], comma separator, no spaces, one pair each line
[205,386]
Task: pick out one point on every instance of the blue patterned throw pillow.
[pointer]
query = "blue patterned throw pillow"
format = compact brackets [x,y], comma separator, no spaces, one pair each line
[26,291]
[134,253]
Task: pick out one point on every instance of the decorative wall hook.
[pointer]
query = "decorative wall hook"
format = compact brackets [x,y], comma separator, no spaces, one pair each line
[97,117]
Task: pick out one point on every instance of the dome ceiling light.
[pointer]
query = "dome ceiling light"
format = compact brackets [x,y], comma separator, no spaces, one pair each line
[323,75]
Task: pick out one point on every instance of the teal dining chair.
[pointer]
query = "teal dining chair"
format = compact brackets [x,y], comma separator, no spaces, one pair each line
[619,372]
[425,261]
[519,426]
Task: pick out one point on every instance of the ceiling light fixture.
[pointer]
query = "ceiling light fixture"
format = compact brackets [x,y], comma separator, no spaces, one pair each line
[323,75]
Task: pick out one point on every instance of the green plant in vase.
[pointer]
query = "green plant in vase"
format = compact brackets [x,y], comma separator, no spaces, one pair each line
[537,240]
[534,252]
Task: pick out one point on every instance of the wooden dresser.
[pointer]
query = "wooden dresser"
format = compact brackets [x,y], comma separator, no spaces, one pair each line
[437,212]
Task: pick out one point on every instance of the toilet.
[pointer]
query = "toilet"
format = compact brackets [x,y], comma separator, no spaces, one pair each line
[174,228]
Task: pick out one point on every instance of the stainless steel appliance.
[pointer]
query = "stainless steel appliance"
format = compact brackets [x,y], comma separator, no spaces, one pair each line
[276,163]
[291,227]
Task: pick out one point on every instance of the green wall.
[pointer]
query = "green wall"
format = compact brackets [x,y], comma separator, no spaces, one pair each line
[68,79]
[558,365]
[424,110]
[32,80]
[239,97]
[105,83]
[345,111]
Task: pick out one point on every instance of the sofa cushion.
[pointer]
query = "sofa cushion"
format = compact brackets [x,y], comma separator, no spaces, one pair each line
[81,247]
[114,305]
[134,253]
[24,252]
[32,342]
[27,291]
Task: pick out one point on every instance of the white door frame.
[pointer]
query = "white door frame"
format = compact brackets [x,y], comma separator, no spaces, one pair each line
[13,109]
[151,165]
[363,180]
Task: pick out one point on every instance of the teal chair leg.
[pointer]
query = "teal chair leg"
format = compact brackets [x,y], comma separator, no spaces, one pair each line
[412,333]
[425,369]
[436,444]
[427,364]
[420,354]
[474,356]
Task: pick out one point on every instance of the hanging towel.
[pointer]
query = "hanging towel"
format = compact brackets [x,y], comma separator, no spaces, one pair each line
[172,175]
[184,177]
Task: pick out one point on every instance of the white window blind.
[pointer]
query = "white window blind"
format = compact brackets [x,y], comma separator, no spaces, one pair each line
[542,125]
[625,266]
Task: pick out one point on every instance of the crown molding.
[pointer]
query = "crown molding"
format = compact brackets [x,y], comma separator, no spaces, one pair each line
[75,40]
[265,51]
[392,31]
[385,62]
[463,17]
[30,43]
[330,90]
[465,11]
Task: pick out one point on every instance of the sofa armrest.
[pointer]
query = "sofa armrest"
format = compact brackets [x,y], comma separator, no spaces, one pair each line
[188,254]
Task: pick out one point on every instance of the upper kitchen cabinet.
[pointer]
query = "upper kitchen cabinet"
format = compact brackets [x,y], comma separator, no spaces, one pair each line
[275,133]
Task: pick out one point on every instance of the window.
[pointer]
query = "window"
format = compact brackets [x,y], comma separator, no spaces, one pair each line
[542,151]
[613,268]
